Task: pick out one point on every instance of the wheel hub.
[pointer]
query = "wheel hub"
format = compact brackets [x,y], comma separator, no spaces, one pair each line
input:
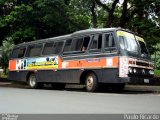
[32,81]
[90,82]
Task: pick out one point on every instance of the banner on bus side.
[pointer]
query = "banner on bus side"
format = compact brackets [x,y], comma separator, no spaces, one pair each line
[37,63]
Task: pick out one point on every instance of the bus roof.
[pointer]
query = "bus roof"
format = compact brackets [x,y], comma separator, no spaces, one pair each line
[92,30]
[77,33]
[43,40]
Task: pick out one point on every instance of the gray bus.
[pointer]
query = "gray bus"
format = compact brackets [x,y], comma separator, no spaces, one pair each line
[91,57]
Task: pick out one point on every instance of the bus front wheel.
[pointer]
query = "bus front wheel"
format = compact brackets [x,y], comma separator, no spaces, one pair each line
[91,83]
[32,82]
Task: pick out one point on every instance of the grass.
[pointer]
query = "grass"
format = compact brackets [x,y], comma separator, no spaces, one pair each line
[157,73]
[2,75]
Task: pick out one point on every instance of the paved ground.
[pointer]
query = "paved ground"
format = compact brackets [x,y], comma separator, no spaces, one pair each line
[135,99]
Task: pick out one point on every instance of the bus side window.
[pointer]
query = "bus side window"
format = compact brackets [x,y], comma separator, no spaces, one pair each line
[77,44]
[34,50]
[96,42]
[109,43]
[85,43]
[67,46]
[58,47]
[48,48]
[14,53]
[21,52]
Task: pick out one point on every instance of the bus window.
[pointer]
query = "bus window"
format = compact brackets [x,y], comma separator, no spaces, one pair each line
[85,43]
[127,41]
[143,48]
[21,52]
[34,50]
[58,47]
[14,53]
[77,44]
[48,48]
[109,41]
[96,42]
[68,45]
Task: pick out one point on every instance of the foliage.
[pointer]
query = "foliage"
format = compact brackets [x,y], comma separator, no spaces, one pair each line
[157,73]
[28,20]
[156,56]
[6,50]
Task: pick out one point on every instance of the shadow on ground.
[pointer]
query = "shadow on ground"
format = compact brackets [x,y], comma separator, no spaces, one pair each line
[129,89]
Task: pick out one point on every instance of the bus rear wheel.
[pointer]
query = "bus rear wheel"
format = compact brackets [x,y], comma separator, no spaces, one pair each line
[32,82]
[91,82]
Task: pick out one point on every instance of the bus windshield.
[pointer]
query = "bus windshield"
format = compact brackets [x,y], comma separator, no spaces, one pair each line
[144,50]
[127,41]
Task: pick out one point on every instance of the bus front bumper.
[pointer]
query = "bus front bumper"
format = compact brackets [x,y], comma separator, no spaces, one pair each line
[140,80]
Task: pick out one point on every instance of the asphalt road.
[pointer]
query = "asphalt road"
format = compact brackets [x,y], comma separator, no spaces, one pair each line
[77,101]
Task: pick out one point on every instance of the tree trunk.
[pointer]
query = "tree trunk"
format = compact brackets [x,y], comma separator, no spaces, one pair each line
[110,19]
[94,16]
[123,18]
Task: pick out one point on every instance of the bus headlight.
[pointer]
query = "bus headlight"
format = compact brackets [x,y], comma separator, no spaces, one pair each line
[151,72]
[134,70]
[130,70]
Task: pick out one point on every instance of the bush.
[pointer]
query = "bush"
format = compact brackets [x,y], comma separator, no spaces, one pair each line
[157,73]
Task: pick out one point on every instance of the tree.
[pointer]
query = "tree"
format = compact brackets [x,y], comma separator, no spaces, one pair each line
[6,51]
[28,20]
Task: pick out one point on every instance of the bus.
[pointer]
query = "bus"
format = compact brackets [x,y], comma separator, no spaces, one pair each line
[92,57]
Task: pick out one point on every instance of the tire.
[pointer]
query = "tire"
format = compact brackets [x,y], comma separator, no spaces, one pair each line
[118,87]
[91,83]
[58,86]
[32,82]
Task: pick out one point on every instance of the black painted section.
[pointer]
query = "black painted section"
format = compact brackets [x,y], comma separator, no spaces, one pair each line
[59,76]
[110,75]
[140,80]
[18,76]
[66,75]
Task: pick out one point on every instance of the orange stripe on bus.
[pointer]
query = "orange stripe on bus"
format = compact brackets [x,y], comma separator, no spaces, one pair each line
[12,65]
[94,62]
[115,62]
[60,62]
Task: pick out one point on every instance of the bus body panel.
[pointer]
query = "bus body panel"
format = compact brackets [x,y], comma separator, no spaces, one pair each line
[72,69]
[111,65]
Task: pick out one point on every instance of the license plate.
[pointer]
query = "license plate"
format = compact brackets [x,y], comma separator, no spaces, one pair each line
[146,80]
